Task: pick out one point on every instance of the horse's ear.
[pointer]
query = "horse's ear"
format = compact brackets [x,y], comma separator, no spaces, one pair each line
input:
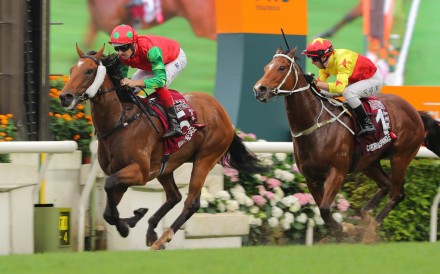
[80,52]
[293,52]
[99,53]
[279,50]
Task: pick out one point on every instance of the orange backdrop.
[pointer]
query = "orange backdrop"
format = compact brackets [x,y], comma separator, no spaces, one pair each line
[262,16]
[425,98]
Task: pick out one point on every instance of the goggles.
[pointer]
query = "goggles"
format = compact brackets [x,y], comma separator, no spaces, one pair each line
[122,48]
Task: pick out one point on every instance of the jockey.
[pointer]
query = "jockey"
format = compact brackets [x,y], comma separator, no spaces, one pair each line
[356,77]
[158,59]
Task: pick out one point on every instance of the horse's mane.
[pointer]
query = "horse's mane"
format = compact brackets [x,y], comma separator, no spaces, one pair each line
[114,68]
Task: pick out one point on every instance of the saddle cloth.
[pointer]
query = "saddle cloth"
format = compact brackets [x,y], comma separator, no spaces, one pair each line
[379,116]
[187,119]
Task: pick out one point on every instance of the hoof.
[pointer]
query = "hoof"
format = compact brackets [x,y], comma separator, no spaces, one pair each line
[157,246]
[122,229]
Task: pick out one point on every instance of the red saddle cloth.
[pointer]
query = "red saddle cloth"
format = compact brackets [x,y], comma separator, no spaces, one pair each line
[187,119]
[383,136]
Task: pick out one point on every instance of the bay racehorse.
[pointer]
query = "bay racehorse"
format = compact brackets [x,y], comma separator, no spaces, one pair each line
[107,14]
[324,142]
[130,149]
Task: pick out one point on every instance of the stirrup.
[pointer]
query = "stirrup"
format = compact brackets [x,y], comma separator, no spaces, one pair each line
[366,130]
[172,132]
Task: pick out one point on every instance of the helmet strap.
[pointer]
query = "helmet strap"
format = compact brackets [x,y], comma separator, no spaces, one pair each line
[132,47]
[322,62]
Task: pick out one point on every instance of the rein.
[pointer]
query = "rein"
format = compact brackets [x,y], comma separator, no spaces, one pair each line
[278,91]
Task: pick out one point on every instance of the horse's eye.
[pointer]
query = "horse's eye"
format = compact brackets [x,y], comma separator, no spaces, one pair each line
[89,71]
[282,68]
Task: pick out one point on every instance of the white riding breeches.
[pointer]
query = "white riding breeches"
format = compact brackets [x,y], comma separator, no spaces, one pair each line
[172,69]
[363,88]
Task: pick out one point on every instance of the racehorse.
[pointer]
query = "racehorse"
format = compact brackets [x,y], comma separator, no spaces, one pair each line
[107,14]
[324,145]
[130,149]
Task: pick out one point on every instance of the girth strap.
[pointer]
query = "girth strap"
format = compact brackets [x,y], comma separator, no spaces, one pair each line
[119,126]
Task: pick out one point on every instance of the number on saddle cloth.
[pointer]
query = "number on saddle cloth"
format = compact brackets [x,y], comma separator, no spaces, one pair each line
[185,113]
[380,119]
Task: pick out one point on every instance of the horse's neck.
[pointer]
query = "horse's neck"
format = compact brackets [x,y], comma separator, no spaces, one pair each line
[303,109]
[106,108]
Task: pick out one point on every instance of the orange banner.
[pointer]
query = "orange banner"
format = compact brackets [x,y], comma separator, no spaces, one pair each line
[425,98]
[262,16]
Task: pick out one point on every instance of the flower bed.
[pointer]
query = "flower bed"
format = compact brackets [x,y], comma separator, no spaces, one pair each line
[8,132]
[69,124]
[278,204]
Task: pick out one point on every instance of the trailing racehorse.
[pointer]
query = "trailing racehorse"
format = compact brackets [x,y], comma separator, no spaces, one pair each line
[132,152]
[326,148]
[107,14]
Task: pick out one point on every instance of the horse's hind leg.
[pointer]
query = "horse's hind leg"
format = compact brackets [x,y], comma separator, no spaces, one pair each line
[173,197]
[199,173]
[399,165]
[383,182]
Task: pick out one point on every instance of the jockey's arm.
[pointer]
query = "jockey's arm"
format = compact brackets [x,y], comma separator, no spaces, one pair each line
[159,79]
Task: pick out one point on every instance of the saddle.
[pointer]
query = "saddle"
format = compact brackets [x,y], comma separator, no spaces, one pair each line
[187,119]
[375,142]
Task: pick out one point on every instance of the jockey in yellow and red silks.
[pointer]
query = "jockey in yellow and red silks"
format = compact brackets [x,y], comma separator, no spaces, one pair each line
[158,59]
[356,76]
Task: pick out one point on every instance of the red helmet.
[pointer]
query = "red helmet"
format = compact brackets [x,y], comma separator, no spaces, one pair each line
[122,35]
[319,47]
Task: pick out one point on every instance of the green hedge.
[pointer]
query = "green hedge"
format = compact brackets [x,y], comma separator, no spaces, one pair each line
[410,220]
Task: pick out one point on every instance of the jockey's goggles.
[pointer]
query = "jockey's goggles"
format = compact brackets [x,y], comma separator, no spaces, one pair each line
[122,48]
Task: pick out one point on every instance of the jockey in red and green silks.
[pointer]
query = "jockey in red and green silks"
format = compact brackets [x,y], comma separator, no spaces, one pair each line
[158,59]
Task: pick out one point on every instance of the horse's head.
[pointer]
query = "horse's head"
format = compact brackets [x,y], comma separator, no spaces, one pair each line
[86,77]
[279,74]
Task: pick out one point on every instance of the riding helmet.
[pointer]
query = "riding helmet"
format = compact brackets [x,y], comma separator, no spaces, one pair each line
[319,47]
[122,35]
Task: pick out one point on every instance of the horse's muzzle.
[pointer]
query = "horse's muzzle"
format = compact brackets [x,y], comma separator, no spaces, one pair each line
[66,99]
[261,93]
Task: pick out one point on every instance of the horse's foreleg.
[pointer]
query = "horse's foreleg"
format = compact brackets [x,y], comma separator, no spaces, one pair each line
[114,191]
[115,187]
[333,184]
[173,197]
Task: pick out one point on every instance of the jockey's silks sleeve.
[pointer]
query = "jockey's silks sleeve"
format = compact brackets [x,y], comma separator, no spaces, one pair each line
[159,80]
[348,67]
[124,71]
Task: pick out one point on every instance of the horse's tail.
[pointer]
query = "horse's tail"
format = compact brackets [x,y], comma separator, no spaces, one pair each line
[432,128]
[240,158]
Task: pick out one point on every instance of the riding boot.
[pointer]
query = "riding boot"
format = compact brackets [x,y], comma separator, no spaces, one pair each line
[365,122]
[173,123]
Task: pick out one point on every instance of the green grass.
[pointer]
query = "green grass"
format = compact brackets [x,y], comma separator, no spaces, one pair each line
[381,258]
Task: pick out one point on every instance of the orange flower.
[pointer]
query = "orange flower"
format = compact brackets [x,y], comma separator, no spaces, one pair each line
[76,137]
[2,140]
[3,126]
[4,121]
[2,134]
[3,117]
[10,115]
[58,115]
[8,139]
[50,113]
[65,79]
[80,107]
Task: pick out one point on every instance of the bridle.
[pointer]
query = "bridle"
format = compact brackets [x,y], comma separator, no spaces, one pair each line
[278,91]
[95,88]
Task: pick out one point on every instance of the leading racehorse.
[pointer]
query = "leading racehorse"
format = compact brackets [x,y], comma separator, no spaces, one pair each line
[325,146]
[131,150]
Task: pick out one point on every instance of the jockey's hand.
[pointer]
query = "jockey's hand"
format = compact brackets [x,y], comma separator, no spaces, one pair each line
[329,94]
[310,78]
[132,83]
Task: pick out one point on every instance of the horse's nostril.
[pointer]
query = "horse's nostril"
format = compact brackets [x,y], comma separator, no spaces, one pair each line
[262,89]
[66,99]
